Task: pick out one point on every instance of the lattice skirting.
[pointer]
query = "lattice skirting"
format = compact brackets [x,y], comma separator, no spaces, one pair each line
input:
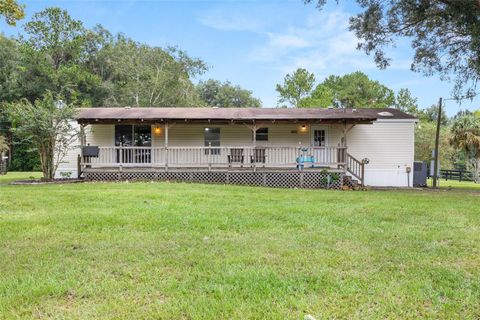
[276,179]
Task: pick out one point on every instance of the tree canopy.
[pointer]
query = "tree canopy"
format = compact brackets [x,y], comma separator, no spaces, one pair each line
[444,34]
[465,136]
[405,102]
[353,90]
[356,90]
[295,87]
[12,11]
[214,93]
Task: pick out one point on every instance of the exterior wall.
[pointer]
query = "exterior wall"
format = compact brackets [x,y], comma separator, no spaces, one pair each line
[389,145]
[69,162]
[188,135]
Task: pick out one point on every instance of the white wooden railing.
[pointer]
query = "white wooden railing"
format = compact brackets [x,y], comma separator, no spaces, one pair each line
[232,156]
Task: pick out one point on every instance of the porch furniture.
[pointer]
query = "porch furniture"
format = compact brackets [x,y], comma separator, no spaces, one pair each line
[302,160]
[235,156]
[90,152]
[259,156]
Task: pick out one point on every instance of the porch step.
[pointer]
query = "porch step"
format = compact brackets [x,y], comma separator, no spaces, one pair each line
[350,182]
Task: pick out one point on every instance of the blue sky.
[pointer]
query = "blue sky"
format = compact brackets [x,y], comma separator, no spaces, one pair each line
[254,43]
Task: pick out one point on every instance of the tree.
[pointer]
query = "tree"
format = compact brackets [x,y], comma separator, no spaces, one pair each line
[53,59]
[10,58]
[47,126]
[356,90]
[53,32]
[3,145]
[12,11]
[466,137]
[321,97]
[214,93]
[139,75]
[431,114]
[405,102]
[425,143]
[295,87]
[445,35]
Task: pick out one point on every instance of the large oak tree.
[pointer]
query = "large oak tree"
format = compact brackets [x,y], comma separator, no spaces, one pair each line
[444,34]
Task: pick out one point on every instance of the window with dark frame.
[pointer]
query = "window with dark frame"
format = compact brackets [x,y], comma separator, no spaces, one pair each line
[133,136]
[212,139]
[261,134]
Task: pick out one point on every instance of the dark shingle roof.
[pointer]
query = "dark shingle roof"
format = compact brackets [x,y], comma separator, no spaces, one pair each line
[237,114]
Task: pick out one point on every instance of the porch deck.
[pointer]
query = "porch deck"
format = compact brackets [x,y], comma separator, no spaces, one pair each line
[290,167]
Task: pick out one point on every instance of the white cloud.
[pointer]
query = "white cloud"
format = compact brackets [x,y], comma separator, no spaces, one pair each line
[322,43]
[287,41]
[232,20]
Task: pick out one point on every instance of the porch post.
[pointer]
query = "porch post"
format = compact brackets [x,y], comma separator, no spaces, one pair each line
[254,142]
[344,151]
[166,146]
[80,156]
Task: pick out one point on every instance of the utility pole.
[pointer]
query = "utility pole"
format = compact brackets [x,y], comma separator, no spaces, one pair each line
[437,137]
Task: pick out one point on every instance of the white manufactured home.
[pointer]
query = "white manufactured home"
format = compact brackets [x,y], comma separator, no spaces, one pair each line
[311,148]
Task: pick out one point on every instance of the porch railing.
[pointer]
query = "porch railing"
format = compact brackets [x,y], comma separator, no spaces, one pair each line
[212,156]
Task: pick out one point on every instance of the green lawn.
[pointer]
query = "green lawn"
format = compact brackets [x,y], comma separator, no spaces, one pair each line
[453,184]
[190,251]
[15,176]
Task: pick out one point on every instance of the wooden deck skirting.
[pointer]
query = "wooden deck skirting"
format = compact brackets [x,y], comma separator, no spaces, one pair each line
[313,178]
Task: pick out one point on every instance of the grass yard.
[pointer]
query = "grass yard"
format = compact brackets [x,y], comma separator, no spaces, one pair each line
[454,184]
[16,176]
[190,251]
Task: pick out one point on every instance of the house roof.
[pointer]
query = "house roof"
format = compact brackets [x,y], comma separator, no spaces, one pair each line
[157,114]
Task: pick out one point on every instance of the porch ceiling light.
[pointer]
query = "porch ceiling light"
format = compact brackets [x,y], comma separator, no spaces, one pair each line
[304,127]
[157,130]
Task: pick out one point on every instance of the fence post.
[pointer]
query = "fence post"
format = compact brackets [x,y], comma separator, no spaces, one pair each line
[460,178]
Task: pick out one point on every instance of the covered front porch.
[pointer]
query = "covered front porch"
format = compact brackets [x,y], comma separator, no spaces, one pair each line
[144,144]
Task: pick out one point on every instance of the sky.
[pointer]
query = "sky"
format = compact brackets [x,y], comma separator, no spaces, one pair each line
[254,43]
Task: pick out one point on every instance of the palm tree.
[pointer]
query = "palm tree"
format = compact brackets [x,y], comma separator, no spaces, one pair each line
[466,136]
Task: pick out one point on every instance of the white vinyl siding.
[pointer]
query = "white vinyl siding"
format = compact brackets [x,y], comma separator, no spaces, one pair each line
[389,145]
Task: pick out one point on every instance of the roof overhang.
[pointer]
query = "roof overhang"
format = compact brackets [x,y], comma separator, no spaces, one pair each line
[236,115]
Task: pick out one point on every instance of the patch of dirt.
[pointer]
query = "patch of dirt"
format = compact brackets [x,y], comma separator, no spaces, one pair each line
[38,182]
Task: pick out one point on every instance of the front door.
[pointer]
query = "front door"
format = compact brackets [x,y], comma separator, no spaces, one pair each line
[319,136]
[319,140]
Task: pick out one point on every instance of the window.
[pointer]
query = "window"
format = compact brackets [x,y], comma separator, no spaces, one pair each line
[142,136]
[123,135]
[212,138]
[133,136]
[319,138]
[261,134]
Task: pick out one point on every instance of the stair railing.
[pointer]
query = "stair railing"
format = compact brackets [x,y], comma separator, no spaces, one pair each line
[356,168]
